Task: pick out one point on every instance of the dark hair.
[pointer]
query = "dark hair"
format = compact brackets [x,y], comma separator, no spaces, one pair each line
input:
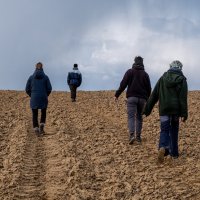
[39,65]
[75,65]
[138,60]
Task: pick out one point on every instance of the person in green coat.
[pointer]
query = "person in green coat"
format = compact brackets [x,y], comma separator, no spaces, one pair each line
[171,91]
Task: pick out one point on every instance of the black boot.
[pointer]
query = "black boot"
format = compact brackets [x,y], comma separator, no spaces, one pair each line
[138,137]
[42,128]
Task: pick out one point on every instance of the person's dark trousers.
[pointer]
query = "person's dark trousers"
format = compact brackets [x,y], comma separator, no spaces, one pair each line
[169,134]
[73,89]
[35,117]
[135,107]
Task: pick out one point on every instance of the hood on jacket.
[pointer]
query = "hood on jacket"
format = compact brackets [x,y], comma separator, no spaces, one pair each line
[138,66]
[38,74]
[173,78]
[76,70]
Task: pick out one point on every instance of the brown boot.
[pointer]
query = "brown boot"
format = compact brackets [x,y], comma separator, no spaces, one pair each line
[161,154]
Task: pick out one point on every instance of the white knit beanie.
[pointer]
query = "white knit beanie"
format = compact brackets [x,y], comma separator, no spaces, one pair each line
[176,64]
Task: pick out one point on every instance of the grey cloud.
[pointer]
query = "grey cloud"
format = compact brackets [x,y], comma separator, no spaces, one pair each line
[177,27]
[62,32]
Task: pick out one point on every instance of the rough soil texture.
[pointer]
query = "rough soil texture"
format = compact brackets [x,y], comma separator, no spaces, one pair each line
[85,152]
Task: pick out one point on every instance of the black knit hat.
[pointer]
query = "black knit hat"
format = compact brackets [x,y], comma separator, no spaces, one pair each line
[75,65]
[138,60]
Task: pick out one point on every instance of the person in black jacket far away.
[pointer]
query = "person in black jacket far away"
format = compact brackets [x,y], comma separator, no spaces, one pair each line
[74,80]
[138,92]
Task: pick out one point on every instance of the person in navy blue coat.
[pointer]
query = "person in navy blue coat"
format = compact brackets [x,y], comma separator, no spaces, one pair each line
[38,87]
[74,80]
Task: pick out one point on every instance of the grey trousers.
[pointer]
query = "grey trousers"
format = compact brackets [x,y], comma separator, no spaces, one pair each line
[135,107]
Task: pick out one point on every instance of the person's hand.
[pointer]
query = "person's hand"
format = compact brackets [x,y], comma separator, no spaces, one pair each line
[183,119]
[146,114]
[116,99]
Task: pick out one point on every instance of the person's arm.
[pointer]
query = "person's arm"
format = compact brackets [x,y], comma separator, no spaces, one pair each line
[123,85]
[49,87]
[28,87]
[152,100]
[148,85]
[79,79]
[68,78]
[183,100]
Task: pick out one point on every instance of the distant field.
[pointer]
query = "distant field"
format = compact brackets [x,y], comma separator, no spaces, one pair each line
[85,152]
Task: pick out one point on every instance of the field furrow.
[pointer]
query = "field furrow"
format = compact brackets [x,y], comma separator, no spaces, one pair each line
[84,153]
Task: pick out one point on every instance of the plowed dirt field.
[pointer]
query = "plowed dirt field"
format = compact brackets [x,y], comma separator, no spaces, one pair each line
[85,154]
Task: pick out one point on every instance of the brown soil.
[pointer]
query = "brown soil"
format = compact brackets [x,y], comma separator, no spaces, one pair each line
[85,152]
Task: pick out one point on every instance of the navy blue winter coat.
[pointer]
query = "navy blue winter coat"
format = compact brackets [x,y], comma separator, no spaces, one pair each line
[74,78]
[38,87]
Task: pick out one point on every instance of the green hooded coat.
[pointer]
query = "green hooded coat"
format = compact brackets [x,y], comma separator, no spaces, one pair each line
[171,92]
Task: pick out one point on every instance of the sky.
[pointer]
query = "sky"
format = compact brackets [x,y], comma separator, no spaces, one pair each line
[102,36]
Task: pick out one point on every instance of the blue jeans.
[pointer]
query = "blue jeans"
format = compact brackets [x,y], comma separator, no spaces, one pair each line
[135,107]
[169,134]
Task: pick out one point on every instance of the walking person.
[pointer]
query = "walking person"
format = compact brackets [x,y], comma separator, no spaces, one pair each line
[38,87]
[139,90]
[74,80]
[171,92]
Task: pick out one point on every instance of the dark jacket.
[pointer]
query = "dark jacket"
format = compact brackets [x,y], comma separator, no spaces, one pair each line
[171,92]
[138,83]
[74,78]
[38,87]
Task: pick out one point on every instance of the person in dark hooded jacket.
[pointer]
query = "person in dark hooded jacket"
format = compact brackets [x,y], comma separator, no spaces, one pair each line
[139,90]
[171,92]
[38,87]
[74,80]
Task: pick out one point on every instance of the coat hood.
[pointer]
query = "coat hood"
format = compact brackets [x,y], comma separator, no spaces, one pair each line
[76,70]
[138,66]
[38,74]
[173,78]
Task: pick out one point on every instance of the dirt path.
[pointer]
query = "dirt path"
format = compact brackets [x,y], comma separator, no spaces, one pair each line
[31,183]
[85,152]
[23,161]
